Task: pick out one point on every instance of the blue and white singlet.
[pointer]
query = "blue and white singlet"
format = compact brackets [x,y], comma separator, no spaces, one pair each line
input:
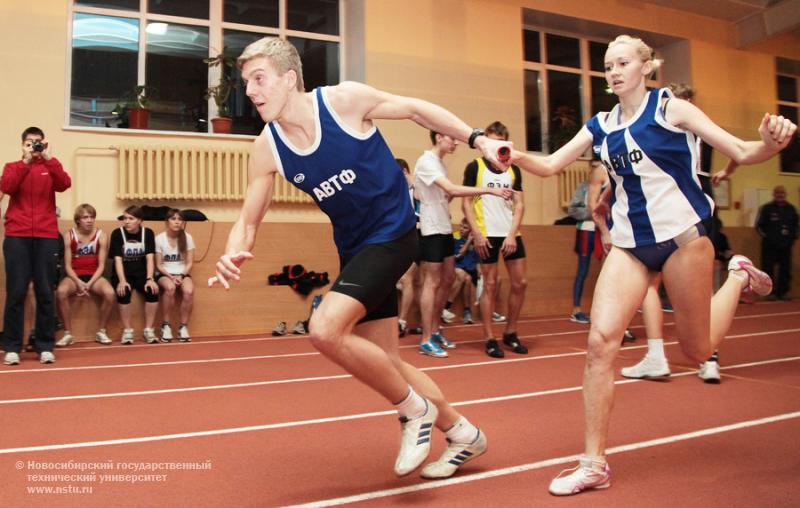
[352,176]
[656,194]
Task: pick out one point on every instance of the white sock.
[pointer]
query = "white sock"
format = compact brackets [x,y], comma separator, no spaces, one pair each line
[595,463]
[462,432]
[402,322]
[413,406]
[655,349]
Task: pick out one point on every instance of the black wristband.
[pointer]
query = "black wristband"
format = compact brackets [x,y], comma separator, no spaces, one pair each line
[473,136]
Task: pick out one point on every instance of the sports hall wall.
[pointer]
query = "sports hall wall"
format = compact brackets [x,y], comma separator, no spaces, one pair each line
[463,54]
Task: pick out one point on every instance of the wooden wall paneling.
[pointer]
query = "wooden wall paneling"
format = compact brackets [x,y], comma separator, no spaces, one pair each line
[252,306]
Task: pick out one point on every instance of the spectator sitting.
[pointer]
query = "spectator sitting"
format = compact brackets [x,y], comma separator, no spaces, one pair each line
[174,259]
[85,252]
[466,271]
[133,249]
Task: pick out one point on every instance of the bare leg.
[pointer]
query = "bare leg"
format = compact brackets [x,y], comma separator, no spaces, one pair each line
[516,293]
[620,289]
[331,332]
[652,315]
[166,296]
[448,275]
[382,333]
[431,278]
[103,289]
[66,288]
[407,294]
[150,310]
[466,292]
[687,277]
[458,284]
[187,299]
[125,315]
[488,295]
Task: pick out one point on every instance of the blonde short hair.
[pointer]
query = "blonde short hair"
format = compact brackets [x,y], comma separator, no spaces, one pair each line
[84,208]
[281,53]
[644,51]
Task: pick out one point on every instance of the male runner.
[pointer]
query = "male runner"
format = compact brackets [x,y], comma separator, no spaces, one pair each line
[325,143]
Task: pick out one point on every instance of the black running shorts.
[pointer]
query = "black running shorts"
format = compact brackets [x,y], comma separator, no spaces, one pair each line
[136,282]
[371,275]
[497,243]
[434,248]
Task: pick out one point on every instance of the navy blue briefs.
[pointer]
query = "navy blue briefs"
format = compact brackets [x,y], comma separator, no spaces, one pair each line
[654,256]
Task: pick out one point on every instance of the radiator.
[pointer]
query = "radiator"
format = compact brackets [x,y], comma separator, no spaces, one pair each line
[190,173]
[569,179]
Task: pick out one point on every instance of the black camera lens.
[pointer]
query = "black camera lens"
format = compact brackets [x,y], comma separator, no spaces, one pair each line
[37,146]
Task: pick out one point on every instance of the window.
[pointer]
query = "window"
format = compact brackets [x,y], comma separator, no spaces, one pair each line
[564,86]
[157,47]
[788,83]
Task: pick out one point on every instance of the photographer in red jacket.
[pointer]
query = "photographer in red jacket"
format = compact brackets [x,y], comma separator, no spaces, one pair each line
[31,242]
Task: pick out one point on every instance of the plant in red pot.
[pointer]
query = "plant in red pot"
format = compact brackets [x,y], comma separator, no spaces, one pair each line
[136,102]
[221,92]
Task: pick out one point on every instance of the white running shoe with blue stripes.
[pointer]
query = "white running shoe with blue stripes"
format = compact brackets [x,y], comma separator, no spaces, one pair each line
[456,455]
[415,440]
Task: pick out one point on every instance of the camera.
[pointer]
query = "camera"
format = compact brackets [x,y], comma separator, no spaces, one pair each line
[38,146]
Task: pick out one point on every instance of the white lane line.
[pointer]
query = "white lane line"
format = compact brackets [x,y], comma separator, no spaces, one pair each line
[286,337]
[173,390]
[326,378]
[448,327]
[152,364]
[547,463]
[298,423]
[315,353]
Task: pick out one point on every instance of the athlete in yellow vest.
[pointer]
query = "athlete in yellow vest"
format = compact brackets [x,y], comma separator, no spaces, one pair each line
[495,227]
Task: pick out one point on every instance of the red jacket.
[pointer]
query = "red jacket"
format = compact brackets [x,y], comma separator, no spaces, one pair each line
[32,197]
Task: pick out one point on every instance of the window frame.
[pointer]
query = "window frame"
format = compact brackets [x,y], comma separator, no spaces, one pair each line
[216,27]
[788,104]
[585,72]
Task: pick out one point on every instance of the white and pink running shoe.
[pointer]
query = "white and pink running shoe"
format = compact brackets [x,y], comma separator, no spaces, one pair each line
[588,474]
[759,282]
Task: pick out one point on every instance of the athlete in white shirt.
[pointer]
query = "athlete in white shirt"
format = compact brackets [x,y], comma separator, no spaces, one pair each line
[434,191]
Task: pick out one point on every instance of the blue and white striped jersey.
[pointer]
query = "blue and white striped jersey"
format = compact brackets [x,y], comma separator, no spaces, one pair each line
[656,194]
[352,176]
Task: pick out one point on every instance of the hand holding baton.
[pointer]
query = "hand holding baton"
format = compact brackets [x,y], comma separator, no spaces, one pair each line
[503,154]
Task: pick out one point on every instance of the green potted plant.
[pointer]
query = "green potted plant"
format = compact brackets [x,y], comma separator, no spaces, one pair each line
[135,103]
[221,92]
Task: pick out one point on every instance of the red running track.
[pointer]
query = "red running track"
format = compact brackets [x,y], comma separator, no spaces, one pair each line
[264,421]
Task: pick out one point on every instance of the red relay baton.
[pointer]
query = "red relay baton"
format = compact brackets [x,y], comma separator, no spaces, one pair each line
[503,154]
